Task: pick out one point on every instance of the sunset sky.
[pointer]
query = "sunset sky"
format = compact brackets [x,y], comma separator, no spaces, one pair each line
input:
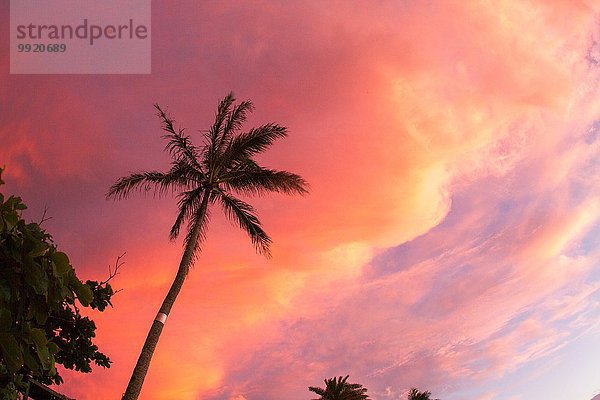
[450,240]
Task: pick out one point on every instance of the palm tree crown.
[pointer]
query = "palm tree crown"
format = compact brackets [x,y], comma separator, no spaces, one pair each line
[414,394]
[339,389]
[223,166]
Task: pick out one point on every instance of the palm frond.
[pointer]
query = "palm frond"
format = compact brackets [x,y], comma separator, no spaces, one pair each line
[258,181]
[188,203]
[194,174]
[161,182]
[223,110]
[317,390]
[179,145]
[236,119]
[201,221]
[242,147]
[243,213]
[214,134]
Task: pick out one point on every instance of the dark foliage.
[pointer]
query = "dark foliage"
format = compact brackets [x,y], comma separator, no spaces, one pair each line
[414,394]
[40,296]
[340,389]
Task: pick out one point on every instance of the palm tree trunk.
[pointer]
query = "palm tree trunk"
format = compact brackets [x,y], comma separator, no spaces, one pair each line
[141,368]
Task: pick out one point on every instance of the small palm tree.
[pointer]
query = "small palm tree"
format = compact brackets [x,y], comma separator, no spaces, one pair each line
[339,389]
[203,176]
[414,394]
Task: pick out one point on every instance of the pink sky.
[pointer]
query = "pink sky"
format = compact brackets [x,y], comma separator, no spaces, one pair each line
[450,239]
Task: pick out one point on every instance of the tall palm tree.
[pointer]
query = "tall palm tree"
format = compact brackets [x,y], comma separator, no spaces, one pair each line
[339,389]
[214,172]
[414,394]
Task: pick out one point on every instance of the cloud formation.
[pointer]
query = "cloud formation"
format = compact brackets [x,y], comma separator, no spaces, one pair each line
[449,235]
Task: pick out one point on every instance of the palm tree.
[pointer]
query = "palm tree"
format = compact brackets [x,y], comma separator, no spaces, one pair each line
[414,394]
[339,389]
[202,176]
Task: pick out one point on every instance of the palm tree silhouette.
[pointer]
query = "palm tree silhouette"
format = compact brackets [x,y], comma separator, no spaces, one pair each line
[339,389]
[202,176]
[414,394]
